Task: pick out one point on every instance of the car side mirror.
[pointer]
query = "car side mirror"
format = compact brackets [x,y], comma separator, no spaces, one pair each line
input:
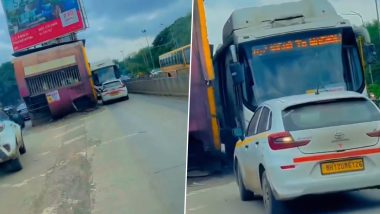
[237,72]
[238,133]
[370,54]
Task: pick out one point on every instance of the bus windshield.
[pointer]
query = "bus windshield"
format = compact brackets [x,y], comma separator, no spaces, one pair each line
[299,64]
[104,74]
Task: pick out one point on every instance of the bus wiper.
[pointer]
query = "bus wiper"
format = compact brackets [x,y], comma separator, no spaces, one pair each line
[287,18]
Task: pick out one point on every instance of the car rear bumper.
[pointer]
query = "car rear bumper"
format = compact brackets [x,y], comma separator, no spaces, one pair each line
[6,156]
[307,179]
[108,97]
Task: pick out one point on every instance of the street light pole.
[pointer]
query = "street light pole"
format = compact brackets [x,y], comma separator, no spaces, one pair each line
[378,19]
[150,51]
[123,60]
[172,37]
[122,54]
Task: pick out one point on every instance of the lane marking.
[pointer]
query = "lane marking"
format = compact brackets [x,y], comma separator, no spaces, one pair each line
[119,138]
[69,131]
[196,208]
[59,127]
[74,139]
[50,210]
[196,192]
[45,153]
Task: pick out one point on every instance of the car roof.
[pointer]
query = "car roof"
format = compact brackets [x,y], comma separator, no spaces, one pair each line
[285,102]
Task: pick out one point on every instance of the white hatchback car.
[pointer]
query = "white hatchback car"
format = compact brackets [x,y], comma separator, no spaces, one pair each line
[309,144]
[12,144]
[113,90]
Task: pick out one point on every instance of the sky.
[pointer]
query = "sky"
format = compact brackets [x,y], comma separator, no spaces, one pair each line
[217,12]
[115,26]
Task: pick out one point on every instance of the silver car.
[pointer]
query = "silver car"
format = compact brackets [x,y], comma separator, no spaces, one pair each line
[114,90]
[12,144]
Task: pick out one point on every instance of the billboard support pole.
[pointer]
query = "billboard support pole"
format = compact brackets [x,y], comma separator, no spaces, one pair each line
[150,50]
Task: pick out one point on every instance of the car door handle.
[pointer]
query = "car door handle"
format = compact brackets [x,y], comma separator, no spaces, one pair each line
[257,143]
[246,146]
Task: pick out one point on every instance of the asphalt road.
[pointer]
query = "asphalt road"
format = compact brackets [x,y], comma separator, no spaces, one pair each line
[126,157]
[219,194]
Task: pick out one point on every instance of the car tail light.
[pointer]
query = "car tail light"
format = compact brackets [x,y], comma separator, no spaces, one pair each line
[284,140]
[374,134]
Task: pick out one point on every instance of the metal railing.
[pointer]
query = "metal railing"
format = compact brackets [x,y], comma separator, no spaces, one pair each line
[53,80]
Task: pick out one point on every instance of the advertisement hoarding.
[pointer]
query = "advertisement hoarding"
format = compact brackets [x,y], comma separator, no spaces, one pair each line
[32,22]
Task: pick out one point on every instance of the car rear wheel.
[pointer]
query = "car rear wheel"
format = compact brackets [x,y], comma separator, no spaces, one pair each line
[104,102]
[127,97]
[245,195]
[22,149]
[271,204]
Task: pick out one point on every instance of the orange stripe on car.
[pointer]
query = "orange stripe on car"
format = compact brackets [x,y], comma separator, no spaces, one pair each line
[350,154]
[250,140]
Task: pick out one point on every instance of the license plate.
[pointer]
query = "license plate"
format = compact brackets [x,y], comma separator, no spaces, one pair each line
[343,166]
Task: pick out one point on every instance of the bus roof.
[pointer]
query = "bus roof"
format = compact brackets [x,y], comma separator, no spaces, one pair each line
[173,51]
[102,64]
[270,20]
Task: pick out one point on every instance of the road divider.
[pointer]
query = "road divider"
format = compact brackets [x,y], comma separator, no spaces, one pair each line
[177,85]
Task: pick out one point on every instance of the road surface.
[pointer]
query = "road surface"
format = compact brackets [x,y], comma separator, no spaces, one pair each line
[127,157]
[219,194]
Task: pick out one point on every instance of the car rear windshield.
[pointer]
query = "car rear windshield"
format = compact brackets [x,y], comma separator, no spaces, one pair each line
[112,84]
[329,113]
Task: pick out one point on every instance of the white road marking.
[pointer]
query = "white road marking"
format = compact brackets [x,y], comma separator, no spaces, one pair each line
[69,130]
[59,127]
[84,118]
[199,191]
[50,210]
[197,184]
[196,208]
[71,201]
[25,182]
[74,140]
[83,154]
[45,153]
[119,138]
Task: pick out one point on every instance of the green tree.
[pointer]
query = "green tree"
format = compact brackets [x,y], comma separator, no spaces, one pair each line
[375,39]
[9,94]
[174,36]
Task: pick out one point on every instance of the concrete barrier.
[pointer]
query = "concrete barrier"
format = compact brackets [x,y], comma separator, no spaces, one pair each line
[178,85]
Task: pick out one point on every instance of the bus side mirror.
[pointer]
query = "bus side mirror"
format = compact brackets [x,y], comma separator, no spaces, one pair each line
[117,71]
[238,133]
[370,54]
[237,72]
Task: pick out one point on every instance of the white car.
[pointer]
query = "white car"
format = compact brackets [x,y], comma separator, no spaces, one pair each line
[308,144]
[12,144]
[113,90]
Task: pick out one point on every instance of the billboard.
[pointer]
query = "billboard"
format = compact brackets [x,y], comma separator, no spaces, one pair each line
[32,22]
